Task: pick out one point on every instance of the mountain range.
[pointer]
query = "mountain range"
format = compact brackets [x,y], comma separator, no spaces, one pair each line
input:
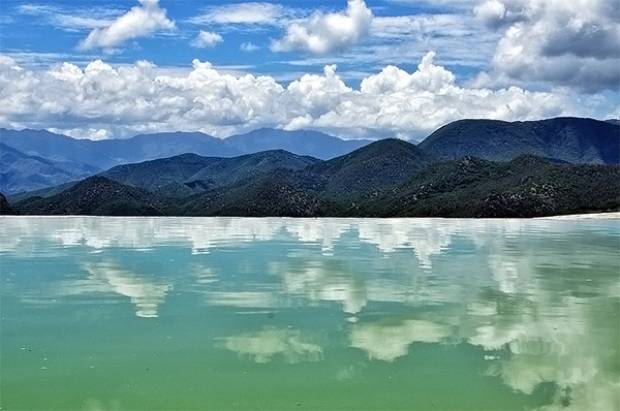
[23,172]
[393,178]
[467,168]
[56,159]
[72,156]
[187,174]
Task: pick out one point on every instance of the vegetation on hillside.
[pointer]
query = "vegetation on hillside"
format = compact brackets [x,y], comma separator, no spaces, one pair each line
[386,178]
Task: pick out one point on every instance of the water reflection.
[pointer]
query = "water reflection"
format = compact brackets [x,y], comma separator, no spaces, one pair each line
[318,280]
[426,237]
[107,277]
[564,342]
[390,339]
[539,300]
[264,345]
[242,299]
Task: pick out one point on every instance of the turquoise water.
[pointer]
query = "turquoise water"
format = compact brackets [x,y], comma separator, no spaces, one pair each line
[309,314]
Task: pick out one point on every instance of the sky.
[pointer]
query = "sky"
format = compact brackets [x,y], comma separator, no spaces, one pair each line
[103,69]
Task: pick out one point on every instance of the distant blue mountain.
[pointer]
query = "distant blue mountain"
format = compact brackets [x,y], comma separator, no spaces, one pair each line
[301,142]
[78,156]
[54,147]
[22,172]
[574,140]
[109,153]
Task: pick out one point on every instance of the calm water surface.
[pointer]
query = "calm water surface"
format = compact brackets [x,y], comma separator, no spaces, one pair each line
[309,314]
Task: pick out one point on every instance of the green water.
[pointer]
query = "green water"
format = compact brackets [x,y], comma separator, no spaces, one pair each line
[309,314]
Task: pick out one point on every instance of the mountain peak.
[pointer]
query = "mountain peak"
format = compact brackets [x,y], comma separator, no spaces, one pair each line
[96,195]
[387,147]
[576,140]
[302,142]
[377,166]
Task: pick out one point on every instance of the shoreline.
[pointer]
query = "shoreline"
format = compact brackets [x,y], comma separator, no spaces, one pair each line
[612,215]
[592,216]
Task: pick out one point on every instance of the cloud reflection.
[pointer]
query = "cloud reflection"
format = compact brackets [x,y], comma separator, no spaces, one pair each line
[318,281]
[262,346]
[427,238]
[388,340]
[538,298]
[146,293]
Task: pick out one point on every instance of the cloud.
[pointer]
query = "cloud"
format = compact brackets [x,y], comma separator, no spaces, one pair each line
[322,33]
[78,19]
[140,21]
[248,47]
[448,4]
[206,39]
[141,97]
[496,13]
[254,13]
[571,43]
[403,40]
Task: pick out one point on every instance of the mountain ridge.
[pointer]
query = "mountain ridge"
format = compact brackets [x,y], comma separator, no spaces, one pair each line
[20,171]
[98,195]
[576,140]
[527,186]
[100,155]
[190,173]
[110,152]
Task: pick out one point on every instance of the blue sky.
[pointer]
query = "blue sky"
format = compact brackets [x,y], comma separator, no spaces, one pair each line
[505,59]
[35,33]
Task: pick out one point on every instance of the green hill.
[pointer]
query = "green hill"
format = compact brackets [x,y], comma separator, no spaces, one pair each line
[187,174]
[576,140]
[386,178]
[5,207]
[375,167]
[96,196]
[525,187]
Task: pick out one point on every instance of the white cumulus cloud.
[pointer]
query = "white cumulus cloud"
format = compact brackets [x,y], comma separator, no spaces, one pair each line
[565,43]
[122,100]
[206,39]
[248,47]
[324,32]
[496,13]
[139,21]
